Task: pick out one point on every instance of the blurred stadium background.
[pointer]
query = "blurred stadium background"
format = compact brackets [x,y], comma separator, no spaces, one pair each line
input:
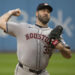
[63,14]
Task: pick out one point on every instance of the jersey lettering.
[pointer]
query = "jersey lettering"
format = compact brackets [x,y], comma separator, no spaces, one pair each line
[37,36]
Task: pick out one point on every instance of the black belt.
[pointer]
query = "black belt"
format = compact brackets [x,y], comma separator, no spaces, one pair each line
[34,71]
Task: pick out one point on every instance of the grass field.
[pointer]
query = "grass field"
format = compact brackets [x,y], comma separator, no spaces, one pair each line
[57,66]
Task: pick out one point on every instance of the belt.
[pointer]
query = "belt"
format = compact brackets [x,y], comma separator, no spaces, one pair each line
[34,71]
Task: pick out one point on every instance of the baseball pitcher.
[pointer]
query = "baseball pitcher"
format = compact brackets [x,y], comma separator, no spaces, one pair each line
[35,43]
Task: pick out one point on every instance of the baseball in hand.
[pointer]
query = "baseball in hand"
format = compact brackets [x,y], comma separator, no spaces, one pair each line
[16,12]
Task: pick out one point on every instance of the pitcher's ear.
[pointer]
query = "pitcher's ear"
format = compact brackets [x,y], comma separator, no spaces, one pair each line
[36,13]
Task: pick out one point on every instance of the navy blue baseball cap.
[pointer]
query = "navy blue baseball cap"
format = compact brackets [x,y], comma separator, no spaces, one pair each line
[44,6]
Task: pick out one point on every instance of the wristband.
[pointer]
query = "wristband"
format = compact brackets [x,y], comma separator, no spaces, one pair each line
[55,42]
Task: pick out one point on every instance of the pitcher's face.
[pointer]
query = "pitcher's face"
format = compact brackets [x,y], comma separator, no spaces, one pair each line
[43,15]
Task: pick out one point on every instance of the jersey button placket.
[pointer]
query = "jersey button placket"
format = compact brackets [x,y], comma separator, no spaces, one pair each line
[39,51]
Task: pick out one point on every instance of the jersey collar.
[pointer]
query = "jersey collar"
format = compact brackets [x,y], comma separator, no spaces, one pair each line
[39,26]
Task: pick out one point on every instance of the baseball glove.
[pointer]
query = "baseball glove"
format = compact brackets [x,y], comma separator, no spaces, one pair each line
[55,36]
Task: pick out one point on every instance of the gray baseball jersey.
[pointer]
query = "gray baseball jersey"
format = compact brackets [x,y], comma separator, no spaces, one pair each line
[33,48]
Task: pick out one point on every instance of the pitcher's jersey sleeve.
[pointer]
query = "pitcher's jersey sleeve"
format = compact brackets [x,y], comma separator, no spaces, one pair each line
[15,28]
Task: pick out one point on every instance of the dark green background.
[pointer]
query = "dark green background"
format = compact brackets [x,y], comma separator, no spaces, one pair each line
[57,65]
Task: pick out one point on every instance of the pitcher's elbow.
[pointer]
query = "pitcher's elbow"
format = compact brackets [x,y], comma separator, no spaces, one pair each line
[69,56]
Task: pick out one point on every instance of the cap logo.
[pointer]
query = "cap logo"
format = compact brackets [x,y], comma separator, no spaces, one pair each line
[45,4]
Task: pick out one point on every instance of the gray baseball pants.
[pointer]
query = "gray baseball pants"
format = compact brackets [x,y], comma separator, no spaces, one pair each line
[25,71]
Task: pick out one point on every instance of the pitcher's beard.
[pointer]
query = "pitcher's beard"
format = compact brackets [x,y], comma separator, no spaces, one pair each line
[43,19]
